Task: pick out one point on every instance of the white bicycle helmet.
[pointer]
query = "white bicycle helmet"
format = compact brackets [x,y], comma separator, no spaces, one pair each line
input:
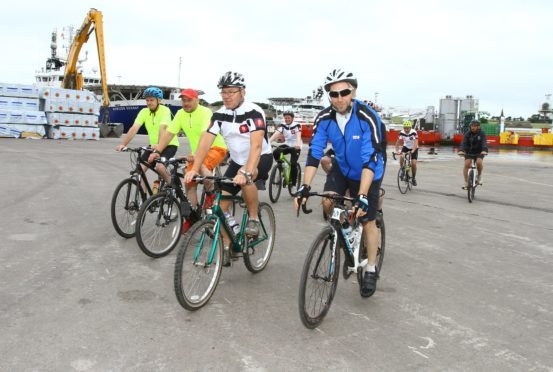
[231,79]
[338,75]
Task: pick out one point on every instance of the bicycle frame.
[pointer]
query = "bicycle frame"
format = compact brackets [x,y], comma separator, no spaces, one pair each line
[287,165]
[472,170]
[351,250]
[407,161]
[139,175]
[216,213]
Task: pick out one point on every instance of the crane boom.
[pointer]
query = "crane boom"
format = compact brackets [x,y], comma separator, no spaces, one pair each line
[73,79]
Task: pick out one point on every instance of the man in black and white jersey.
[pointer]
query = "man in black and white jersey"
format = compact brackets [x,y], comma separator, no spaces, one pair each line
[290,132]
[243,127]
[410,140]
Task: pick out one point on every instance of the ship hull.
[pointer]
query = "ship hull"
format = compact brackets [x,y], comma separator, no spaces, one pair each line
[126,114]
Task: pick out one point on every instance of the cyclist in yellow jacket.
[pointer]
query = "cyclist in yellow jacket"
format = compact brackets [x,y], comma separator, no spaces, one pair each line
[156,117]
[193,119]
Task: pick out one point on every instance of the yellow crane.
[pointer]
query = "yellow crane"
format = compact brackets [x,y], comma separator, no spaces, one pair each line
[73,79]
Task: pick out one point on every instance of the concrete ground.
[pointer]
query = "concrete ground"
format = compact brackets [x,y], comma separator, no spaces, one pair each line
[463,287]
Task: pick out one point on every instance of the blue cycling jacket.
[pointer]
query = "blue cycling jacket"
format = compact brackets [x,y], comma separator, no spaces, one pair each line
[359,147]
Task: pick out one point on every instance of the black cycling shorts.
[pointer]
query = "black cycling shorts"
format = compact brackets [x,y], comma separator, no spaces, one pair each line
[414,154]
[168,153]
[338,183]
[474,156]
[263,168]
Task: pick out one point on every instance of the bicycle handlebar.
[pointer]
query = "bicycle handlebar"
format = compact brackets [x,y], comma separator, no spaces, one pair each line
[134,149]
[216,179]
[322,195]
[165,161]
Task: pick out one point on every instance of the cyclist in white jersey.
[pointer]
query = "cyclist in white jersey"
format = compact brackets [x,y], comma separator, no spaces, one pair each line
[290,132]
[410,140]
[243,127]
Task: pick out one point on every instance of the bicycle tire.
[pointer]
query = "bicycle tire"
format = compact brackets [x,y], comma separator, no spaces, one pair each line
[312,315]
[186,286]
[125,223]
[381,245]
[470,186]
[403,185]
[256,258]
[159,225]
[275,184]
[298,181]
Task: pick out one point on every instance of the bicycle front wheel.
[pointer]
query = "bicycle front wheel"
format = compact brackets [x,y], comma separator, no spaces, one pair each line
[319,279]
[159,225]
[298,181]
[275,184]
[258,251]
[125,204]
[402,180]
[470,188]
[198,265]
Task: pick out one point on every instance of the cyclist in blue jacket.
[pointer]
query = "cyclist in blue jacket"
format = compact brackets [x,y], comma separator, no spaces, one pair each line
[354,130]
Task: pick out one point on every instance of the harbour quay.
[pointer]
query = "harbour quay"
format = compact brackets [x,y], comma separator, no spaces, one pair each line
[464,286]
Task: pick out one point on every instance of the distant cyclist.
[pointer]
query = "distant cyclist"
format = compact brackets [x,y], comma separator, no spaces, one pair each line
[243,127]
[410,139]
[157,118]
[290,132]
[354,130]
[193,119]
[474,145]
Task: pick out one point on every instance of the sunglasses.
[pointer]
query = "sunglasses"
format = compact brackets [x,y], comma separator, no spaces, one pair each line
[341,93]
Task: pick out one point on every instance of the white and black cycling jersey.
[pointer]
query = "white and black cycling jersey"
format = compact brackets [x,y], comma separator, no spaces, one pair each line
[408,138]
[236,125]
[290,133]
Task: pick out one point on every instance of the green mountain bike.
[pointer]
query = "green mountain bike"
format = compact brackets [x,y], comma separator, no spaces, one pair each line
[281,176]
[200,257]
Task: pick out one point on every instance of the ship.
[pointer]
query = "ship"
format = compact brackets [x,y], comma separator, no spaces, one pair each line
[125,100]
[305,110]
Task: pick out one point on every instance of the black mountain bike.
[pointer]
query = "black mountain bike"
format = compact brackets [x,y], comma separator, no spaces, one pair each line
[129,195]
[319,277]
[160,218]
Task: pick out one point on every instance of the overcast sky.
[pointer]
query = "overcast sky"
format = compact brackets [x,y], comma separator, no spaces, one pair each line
[411,52]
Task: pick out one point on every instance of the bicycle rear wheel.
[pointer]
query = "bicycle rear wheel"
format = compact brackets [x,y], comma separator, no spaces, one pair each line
[159,225]
[195,278]
[258,252]
[125,204]
[298,181]
[319,279]
[470,188]
[402,180]
[275,183]
[381,244]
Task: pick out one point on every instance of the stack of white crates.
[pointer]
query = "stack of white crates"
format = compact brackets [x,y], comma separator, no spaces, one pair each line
[71,114]
[20,114]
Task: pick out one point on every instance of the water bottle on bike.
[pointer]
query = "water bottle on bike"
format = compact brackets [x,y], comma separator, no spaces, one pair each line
[232,224]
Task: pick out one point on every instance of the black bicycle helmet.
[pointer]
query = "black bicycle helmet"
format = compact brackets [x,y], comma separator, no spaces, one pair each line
[475,122]
[291,113]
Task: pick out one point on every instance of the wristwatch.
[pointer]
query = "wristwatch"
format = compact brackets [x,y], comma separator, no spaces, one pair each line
[248,176]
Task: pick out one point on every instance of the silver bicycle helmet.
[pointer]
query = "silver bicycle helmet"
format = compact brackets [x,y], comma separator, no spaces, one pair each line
[338,75]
